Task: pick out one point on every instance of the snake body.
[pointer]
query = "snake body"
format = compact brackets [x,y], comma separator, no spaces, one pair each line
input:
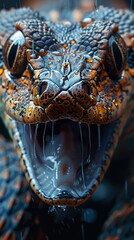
[66,95]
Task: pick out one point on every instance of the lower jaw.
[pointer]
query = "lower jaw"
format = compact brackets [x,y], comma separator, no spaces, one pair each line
[65,161]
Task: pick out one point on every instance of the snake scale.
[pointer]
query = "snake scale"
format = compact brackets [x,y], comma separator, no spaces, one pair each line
[66,96]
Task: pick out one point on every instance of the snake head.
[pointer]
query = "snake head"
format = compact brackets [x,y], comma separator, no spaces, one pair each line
[68,86]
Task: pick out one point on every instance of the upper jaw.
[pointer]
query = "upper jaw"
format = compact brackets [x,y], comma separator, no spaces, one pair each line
[85,101]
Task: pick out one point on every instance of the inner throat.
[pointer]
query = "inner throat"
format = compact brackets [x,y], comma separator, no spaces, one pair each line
[63,143]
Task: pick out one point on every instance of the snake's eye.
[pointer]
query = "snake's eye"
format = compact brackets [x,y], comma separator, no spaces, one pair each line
[116,57]
[15,54]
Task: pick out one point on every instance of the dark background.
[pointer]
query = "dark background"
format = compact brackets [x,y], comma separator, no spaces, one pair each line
[17,3]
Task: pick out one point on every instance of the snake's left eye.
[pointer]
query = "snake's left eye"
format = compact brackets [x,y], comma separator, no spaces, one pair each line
[116,57]
[14,54]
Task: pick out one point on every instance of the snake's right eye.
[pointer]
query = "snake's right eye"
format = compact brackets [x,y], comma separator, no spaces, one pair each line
[14,53]
[116,57]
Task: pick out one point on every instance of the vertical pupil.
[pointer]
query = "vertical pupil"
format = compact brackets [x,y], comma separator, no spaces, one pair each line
[12,54]
[117,55]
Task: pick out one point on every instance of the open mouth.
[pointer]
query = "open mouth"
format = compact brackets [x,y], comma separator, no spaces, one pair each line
[65,159]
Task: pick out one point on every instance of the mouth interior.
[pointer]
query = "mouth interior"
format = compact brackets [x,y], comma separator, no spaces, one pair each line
[64,156]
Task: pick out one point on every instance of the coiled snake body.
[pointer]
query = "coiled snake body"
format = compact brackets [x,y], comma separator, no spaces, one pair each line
[66,95]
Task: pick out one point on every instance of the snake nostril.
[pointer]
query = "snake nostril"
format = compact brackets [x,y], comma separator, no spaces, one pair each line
[91,91]
[43,87]
[86,88]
